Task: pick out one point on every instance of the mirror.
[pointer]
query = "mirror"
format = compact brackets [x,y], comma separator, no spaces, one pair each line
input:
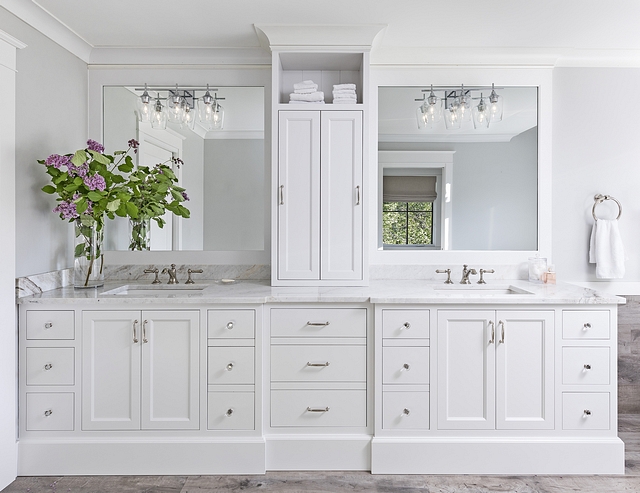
[223,171]
[486,183]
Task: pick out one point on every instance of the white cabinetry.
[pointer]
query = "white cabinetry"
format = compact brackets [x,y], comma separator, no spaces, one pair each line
[319,196]
[140,370]
[495,369]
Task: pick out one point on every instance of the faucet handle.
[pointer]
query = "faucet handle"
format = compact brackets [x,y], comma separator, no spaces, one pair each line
[192,271]
[484,271]
[153,271]
[448,273]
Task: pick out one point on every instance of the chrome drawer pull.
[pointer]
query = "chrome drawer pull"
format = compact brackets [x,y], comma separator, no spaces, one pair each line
[48,366]
[317,364]
[493,332]
[135,336]
[406,325]
[229,325]
[587,412]
[406,412]
[281,194]
[318,324]
[318,409]
[358,199]
[48,412]
[406,366]
[229,367]
[586,326]
[48,325]
[587,367]
[144,332]
[501,341]
[229,412]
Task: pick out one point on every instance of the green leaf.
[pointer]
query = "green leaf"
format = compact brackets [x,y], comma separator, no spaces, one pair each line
[71,188]
[132,210]
[102,159]
[94,196]
[81,205]
[113,205]
[126,167]
[118,179]
[79,158]
[79,251]
[122,210]
[117,153]
[176,195]
[49,189]
[77,181]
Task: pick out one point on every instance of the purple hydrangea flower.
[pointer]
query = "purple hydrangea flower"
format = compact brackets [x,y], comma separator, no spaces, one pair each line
[185,196]
[56,160]
[80,171]
[95,182]
[67,210]
[133,144]
[92,145]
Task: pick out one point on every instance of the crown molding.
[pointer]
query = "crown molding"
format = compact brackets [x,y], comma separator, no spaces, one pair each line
[16,43]
[179,56]
[41,20]
[358,37]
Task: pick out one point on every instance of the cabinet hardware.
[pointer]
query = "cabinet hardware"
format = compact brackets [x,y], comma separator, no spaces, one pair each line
[406,412]
[135,336]
[406,325]
[229,412]
[281,194]
[229,325]
[318,409]
[48,366]
[501,341]
[493,332]
[229,367]
[358,195]
[406,366]
[318,324]
[48,325]
[48,412]
[586,326]
[144,332]
[317,364]
[587,412]
[587,367]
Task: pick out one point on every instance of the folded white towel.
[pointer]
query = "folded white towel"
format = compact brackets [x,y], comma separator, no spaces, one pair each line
[306,102]
[345,101]
[307,90]
[305,84]
[344,92]
[606,249]
[339,87]
[312,96]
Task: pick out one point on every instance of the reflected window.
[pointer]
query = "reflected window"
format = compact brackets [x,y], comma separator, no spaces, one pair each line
[407,223]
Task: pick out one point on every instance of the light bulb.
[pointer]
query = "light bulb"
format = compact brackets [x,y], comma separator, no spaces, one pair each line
[175,106]
[481,114]
[158,115]
[495,106]
[145,106]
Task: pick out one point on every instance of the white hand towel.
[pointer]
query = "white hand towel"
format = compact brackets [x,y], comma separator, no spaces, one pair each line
[306,102]
[345,92]
[313,96]
[305,84]
[306,90]
[606,249]
[339,87]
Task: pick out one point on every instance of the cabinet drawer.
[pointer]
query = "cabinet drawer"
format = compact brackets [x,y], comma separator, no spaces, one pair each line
[585,324]
[318,408]
[50,366]
[405,410]
[319,322]
[585,365]
[585,411]
[405,323]
[50,411]
[408,365]
[231,324]
[231,365]
[318,363]
[231,411]
[50,324]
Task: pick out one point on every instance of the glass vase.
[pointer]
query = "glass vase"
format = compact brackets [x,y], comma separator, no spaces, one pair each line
[88,264]
[140,237]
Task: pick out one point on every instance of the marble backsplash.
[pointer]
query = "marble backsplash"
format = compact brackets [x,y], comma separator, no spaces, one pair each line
[428,272]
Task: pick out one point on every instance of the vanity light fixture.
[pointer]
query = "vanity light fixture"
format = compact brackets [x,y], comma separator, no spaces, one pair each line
[181,107]
[459,107]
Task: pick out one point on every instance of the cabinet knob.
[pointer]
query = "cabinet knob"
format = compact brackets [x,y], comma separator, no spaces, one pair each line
[229,367]
[229,412]
[587,412]
[406,366]
[48,325]
[586,326]
[406,325]
[229,325]
[48,366]
[406,412]
[48,412]
[587,367]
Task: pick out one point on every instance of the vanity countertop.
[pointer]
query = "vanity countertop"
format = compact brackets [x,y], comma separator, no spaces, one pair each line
[514,292]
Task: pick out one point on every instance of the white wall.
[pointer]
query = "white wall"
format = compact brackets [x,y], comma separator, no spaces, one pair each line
[51,117]
[596,149]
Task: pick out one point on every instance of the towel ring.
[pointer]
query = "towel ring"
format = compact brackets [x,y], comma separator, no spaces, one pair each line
[599,198]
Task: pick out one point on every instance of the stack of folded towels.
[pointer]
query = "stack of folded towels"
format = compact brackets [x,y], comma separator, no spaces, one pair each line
[306,92]
[344,94]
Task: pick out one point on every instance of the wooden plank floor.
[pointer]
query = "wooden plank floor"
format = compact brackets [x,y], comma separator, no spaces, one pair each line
[316,482]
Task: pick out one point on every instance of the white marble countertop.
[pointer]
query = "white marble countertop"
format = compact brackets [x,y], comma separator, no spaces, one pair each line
[387,291]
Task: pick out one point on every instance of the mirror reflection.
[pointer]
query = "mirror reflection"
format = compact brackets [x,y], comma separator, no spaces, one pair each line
[457,185]
[223,171]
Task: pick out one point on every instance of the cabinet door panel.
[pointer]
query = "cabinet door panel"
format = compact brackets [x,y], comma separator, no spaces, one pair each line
[524,370]
[466,370]
[170,377]
[341,195]
[110,371]
[298,195]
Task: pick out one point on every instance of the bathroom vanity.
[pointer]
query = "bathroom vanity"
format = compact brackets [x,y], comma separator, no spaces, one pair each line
[397,377]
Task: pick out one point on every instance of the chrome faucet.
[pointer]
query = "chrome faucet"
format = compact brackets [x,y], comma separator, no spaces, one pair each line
[173,279]
[153,271]
[465,274]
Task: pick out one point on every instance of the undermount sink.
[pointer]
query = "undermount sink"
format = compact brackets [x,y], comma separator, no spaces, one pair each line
[157,290]
[480,289]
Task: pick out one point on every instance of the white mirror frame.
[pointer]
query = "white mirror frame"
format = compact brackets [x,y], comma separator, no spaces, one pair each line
[254,75]
[439,76]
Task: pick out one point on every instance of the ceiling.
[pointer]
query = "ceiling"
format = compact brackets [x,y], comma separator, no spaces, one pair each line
[570,30]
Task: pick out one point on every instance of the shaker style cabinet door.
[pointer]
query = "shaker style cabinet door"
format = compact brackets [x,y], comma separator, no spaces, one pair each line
[298,195]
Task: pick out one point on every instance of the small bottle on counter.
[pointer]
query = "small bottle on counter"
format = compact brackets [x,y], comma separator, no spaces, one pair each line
[550,275]
[537,269]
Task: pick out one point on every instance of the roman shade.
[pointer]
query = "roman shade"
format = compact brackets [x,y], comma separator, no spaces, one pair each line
[409,189]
